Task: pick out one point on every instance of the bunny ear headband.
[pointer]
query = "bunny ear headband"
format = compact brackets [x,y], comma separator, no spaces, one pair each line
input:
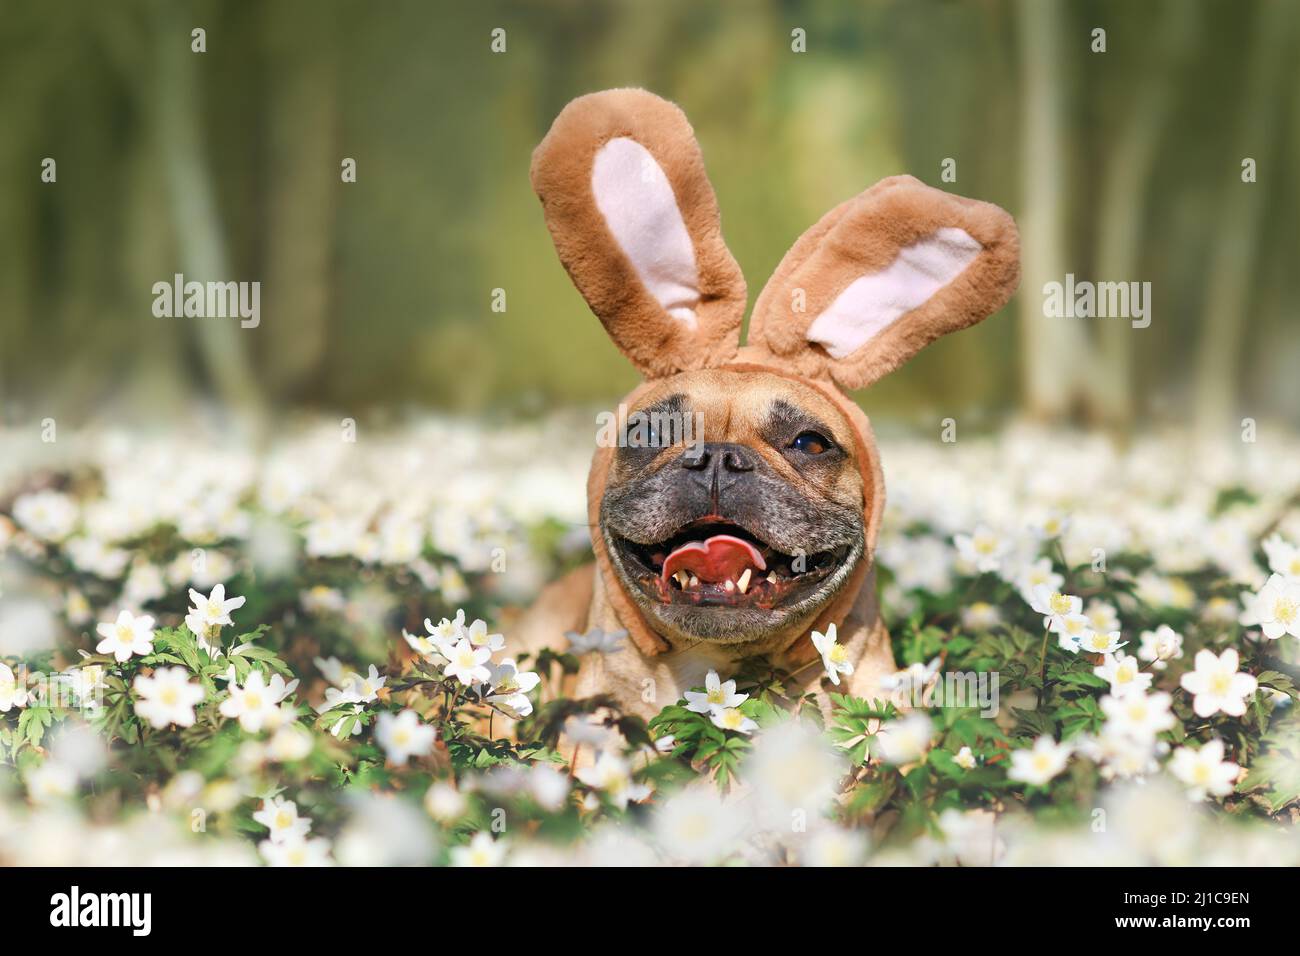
[635,221]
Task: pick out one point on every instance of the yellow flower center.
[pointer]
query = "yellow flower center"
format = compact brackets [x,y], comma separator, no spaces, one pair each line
[838,654]
[169,696]
[1042,762]
[1059,603]
[1219,683]
[252,700]
[1285,610]
[125,634]
[283,820]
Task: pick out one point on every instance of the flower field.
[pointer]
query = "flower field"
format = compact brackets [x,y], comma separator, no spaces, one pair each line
[300,653]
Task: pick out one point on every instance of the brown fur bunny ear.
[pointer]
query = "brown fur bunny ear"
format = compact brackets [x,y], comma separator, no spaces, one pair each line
[635,221]
[882,276]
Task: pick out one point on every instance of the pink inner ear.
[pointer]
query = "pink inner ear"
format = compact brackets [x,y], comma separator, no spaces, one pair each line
[638,204]
[874,302]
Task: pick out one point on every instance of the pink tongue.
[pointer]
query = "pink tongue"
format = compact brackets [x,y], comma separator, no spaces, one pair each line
[720,558]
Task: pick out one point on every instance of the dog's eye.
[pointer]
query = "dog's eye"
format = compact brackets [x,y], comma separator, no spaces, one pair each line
[812,443]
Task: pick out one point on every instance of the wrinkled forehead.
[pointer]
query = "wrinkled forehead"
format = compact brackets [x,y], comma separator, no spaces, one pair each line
[730,404]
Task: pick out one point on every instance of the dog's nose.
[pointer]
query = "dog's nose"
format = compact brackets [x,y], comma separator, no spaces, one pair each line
[718,455]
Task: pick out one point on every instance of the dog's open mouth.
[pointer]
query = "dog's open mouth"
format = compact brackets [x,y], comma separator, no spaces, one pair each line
[722,564]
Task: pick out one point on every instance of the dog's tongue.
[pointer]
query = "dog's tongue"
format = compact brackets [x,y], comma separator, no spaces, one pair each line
[722,557]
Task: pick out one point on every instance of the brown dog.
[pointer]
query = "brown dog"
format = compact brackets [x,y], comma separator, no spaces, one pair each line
[735,507]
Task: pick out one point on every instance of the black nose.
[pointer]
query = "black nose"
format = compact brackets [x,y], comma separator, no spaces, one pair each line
[718,455]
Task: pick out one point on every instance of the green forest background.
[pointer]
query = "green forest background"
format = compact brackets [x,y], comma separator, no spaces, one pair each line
[1122,165]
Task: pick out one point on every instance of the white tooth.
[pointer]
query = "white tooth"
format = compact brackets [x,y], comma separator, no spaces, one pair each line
[695,582]
[743,583]
[771,577]
[730,585]
[681,578]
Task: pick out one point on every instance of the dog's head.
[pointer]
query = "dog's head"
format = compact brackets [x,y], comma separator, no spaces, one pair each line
[736,495]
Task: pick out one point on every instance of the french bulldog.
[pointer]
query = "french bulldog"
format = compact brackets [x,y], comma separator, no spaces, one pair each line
[737,513]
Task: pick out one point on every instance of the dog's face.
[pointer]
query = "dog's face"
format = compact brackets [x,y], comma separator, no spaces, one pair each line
[733,510]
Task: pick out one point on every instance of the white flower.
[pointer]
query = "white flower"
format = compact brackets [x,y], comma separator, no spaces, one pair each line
[1071,629]
[596,641]
[1123,673]
[404,736]
[1136,714]
[1039,764]
[48,515]
[353,688]
[1204,771]
[482,851]
[904,740]
[1101,616]
[296,851]
[280,816]
[477,634]
[613,776]
[466,663]
[51,780]
[718,695]
[12,693]
[210,614]
[1276,608]
[964,759]
[835,656]
[1101,642]
[256,703]
[729,718]
[1160,646]
[167,697]
[981,616]
[697,826]
[1050,525]
[424,645]
[1053,605]
[290,742]
[1217,685]
[830,845]
[1283,558]
[984,549]
[447,631]
[1039,574]
[912,678]
[126,636]
[445,803]
[1120,754]
[510,687]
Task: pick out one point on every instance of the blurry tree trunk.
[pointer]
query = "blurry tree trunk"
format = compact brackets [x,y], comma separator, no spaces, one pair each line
[302,193]
[1237,227]
[1052,349]
[1123,207]
[194,211]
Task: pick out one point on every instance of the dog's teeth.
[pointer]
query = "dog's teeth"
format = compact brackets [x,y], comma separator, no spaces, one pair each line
[681,578]
[695,582]
[730,585]
[743,583]
[771,577]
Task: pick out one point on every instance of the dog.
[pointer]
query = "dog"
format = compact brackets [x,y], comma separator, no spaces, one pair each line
[737,514]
